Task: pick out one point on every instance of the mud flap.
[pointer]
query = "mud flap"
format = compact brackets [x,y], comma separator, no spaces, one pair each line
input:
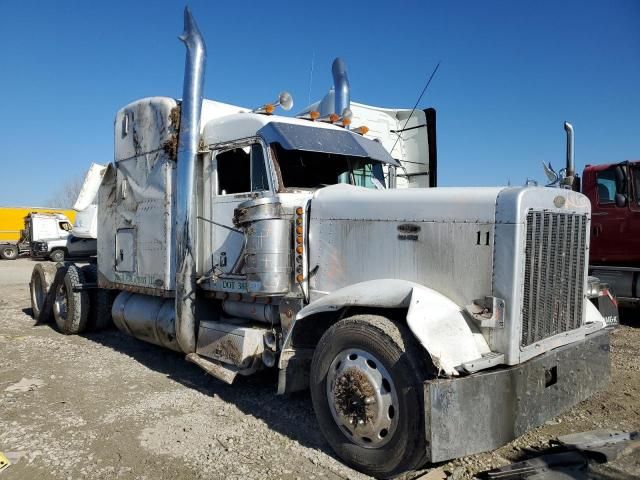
[481,412]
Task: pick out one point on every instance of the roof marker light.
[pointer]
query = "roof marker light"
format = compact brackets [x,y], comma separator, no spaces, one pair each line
[311,115]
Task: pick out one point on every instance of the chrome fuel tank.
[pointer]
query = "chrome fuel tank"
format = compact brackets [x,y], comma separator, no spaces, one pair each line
[147,318]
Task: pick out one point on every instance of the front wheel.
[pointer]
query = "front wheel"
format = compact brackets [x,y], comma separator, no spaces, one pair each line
[57,255]
[9,252]
[367,380]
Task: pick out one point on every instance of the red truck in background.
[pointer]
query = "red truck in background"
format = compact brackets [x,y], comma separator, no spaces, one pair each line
[614,254]
[614,257]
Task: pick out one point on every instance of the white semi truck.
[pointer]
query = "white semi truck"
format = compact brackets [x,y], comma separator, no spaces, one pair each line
[79,240]
[428,323]
[38,226]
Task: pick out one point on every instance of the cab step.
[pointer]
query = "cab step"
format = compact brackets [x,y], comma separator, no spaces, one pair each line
[223,372]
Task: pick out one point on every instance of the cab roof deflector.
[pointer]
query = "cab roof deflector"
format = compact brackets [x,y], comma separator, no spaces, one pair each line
[324,140]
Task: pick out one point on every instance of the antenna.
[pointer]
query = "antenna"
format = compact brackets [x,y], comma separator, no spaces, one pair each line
[416,105]
[313,57]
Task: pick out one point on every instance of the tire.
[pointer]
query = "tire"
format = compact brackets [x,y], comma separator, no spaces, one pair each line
[100,301]
[57,255]
[367,380]
[9,252]
[70,307]
[42,292]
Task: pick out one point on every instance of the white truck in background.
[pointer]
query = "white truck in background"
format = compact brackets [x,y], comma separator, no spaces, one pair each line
[428,323]
[79,239]
[37,226]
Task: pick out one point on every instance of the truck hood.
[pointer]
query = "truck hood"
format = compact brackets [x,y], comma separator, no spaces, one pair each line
[442,204]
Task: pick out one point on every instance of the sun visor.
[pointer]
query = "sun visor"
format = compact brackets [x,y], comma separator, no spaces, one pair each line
[325,140]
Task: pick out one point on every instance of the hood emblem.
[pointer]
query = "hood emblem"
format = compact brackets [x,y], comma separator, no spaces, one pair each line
[559,201]
[408,228]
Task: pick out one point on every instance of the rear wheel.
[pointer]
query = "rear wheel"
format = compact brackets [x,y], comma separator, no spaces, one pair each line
[367,389]
[101,301]
[57,255]
[9,252]
[42,291]
[71,304]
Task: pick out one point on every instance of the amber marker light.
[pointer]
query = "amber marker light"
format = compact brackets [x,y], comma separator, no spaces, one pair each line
[299,249]
[299,230]
[313,115]
[299,278]
[299,211]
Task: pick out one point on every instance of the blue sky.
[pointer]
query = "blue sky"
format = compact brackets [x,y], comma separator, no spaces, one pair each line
[511,73]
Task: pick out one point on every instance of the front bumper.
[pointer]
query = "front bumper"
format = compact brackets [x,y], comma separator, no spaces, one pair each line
[39,249]
[484,411]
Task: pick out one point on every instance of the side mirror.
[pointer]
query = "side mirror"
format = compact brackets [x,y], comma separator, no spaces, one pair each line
[621,200]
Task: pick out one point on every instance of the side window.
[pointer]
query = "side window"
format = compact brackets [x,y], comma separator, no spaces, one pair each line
[234,171]
[242,170]
[259,179]
[362,176]
[369,175]
[609,182]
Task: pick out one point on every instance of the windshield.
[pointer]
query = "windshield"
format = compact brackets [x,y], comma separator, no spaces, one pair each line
[311,170]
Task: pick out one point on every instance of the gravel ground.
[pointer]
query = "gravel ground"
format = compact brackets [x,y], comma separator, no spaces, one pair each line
[105,405]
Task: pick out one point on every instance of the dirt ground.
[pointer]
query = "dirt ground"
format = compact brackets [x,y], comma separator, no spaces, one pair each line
[105,405]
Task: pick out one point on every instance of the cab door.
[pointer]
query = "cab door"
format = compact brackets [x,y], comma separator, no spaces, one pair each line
[609,219]
[240,175]
[631,242]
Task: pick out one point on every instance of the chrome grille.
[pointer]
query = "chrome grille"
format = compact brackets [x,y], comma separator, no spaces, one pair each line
[555,261]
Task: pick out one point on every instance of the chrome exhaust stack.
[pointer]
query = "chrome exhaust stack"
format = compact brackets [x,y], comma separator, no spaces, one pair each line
[342,92]
[185,213]
[570,169]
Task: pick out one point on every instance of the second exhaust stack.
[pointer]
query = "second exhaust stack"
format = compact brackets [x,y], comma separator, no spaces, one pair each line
[570,171]
[342,93]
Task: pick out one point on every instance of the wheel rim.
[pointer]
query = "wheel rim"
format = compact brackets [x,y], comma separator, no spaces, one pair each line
[38,293]
[57,256]
[8,253]
[362,398]
[60,305]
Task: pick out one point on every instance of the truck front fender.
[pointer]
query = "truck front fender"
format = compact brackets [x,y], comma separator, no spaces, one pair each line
[436,321]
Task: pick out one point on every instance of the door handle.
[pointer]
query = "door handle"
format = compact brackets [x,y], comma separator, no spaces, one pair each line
[597,230]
